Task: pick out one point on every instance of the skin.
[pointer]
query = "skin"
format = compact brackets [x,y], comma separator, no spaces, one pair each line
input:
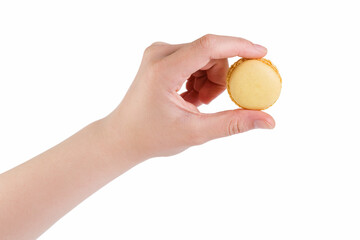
[152,120]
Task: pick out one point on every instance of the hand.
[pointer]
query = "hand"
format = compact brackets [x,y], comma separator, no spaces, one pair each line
[154,120]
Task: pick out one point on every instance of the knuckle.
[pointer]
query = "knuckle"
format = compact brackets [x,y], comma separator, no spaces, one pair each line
[246,44]
[149,50]
[235,126]
[158,43]
[154,47]
[245,47]
[206,41]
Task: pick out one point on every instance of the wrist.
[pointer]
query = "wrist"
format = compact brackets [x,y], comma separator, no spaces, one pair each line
[115,144]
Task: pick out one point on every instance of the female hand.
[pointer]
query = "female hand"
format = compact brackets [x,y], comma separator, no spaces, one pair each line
[155,120]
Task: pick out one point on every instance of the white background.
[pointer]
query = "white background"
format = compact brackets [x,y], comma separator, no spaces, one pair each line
[64,64]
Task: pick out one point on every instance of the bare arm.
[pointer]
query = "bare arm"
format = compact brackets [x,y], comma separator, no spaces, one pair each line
[152,120]
[37,193]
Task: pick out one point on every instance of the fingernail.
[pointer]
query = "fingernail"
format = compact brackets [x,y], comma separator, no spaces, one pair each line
[262,124]
[260,48]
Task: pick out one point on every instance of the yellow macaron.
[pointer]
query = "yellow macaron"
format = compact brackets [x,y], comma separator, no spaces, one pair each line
[253,83]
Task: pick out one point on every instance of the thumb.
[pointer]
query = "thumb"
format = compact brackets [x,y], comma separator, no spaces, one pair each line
[222,124]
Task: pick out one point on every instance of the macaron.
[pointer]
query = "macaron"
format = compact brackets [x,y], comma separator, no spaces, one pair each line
[253,83]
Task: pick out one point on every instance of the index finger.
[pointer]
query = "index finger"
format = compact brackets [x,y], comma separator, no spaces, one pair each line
[195,55]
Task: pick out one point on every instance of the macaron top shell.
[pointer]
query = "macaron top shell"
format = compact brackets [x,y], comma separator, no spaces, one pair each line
[254,83]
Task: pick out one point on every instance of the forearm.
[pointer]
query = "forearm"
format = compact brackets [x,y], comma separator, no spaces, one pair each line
[34,195]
